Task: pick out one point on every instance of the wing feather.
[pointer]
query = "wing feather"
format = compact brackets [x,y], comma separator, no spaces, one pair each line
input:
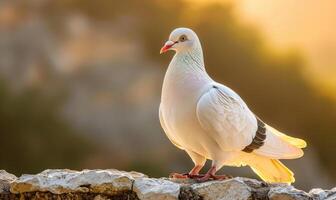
[226,118]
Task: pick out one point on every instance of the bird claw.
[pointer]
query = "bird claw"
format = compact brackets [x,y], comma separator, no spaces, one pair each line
[185,176]
[199,177]
[195,176]
[178,175]
[210,177]
[221,177]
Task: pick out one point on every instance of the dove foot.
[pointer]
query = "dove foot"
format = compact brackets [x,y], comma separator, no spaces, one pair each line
[186,175]
[193,174]
[221,177]
[210,175]
[179,176]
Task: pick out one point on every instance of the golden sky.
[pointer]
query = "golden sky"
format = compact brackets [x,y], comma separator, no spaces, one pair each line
[306,25]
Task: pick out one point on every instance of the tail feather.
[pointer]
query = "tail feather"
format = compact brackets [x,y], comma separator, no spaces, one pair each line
[271,170]
[291,140]
[280,146]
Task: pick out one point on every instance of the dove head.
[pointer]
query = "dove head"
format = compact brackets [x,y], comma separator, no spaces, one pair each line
[181,40]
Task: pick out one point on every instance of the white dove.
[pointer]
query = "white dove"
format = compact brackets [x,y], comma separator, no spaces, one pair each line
[210,121]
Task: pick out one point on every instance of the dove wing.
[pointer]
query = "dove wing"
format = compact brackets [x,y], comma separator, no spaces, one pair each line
[226,118]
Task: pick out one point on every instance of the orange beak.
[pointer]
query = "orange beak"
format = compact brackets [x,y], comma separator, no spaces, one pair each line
[167,46]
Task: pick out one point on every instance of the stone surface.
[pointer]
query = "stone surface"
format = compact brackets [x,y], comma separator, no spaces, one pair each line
[223,190]
[5,181]
[287,193]
[119,185]
[65,181]
[319,194]
[152,189]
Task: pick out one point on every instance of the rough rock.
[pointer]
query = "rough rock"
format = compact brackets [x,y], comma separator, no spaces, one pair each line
[113,184]
[65,181]
[287,193]
[318,193]
[152,189]
[224,190]
[5,181]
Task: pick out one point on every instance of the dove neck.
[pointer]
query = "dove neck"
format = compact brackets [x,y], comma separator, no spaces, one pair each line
[190,60]
[184,78]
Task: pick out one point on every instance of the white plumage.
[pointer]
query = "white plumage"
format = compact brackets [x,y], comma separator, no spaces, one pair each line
[210,121]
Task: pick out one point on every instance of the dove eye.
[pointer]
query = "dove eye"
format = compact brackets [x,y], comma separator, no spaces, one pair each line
[183,38]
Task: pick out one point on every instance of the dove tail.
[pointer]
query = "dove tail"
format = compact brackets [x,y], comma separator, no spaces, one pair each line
[297,142]
[280,146]
[271,170]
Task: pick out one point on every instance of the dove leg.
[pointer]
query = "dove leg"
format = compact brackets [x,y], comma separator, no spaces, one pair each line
[199,162]
[210,175]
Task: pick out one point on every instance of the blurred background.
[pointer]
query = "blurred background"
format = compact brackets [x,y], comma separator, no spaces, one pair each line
[80,80]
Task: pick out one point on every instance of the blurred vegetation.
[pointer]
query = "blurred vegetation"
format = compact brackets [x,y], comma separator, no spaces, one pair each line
[273,85]
[34,137]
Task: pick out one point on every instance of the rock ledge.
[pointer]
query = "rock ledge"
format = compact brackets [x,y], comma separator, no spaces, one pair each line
[114,184]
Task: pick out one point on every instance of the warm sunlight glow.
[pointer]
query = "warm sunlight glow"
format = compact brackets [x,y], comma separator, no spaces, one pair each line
[288,24]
